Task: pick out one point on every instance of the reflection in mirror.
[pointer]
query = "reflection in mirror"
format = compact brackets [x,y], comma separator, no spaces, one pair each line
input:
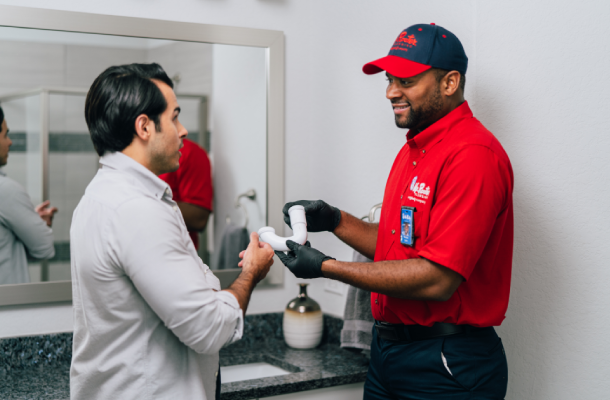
[44,78]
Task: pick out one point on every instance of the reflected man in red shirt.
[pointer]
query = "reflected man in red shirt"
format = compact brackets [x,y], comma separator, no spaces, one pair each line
[192,188]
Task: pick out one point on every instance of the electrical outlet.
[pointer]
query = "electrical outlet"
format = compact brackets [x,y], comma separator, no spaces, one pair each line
[334,286]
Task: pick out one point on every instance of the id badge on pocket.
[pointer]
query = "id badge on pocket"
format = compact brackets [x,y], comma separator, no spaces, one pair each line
[406,226]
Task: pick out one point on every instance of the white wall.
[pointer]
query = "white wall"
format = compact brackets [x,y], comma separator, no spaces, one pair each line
[535,80]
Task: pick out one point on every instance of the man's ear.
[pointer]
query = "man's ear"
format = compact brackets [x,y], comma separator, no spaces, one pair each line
[451,83]
[145,127]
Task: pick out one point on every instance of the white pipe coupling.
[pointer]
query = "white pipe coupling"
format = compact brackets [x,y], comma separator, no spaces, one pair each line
[299,230]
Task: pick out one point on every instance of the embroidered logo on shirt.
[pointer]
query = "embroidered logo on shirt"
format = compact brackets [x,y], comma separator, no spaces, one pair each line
[413,182]
[420,190]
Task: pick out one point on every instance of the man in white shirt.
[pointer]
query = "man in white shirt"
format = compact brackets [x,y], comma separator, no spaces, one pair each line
[149,316]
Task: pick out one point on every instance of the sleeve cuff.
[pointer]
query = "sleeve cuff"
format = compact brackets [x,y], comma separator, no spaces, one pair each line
[231,301]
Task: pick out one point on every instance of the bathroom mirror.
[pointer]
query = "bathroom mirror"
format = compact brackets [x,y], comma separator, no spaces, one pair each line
[229,84]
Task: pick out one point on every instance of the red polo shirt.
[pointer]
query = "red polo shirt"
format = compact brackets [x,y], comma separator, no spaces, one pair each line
[192,182]
[460,181]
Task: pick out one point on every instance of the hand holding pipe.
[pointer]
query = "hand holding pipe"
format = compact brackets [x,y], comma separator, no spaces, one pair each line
[299,229]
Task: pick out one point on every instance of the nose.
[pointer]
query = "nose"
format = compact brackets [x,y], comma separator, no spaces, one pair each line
[392,91]
[182,132]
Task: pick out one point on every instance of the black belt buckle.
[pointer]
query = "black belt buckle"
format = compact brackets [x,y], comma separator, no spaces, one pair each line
[393,333]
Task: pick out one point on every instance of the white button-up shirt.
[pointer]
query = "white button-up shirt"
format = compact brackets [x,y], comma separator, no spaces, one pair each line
[20,227]
[149,316]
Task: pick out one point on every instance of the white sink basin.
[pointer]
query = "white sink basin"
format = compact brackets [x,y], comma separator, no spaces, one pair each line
[243,372]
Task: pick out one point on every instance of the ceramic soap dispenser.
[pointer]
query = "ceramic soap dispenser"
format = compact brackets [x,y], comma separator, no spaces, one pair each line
[303,321]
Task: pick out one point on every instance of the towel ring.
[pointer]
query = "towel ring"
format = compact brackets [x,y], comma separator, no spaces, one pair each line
[371,215]
[250,194]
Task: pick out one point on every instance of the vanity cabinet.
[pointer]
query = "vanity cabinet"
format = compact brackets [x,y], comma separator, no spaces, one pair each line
[343,392]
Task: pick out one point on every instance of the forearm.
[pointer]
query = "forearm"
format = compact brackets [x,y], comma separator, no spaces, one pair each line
[414,279]
[242,289]
[33,233]
[359,235]
[195,217]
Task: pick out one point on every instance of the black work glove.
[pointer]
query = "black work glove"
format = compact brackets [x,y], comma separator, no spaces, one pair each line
[302,260]
[320,216]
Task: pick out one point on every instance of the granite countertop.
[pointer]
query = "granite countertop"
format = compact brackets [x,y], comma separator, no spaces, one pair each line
[38,367]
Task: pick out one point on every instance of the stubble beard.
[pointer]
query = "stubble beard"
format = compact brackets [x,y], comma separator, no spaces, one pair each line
[161,160]
[164,162]
[432,105]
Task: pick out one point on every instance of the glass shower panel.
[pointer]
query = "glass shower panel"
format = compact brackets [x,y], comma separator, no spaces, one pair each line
[25,157]
[25,161]
[73,163]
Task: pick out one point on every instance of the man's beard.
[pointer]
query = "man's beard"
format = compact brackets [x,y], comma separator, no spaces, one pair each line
[162,161]
[432,105]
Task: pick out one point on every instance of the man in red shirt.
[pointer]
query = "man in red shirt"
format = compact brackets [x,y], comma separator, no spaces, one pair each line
[192,188]
[443,247]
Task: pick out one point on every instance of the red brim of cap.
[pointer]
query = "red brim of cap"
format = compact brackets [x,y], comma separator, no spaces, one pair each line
[396,66]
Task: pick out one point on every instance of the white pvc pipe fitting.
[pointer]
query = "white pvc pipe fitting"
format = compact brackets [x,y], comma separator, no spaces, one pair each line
[299,230]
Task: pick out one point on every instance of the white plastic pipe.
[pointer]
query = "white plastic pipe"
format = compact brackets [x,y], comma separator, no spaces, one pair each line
[299,230]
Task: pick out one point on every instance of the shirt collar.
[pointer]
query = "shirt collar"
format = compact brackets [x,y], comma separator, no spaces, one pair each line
[438,130]
[151,182]
[2,173]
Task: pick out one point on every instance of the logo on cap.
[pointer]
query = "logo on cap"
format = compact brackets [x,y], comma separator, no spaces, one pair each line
[404,42]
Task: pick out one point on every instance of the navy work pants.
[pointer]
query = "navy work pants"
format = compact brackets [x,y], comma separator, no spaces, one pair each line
[416,370]
[218,385]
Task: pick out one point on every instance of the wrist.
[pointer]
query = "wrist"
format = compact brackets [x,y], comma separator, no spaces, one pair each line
[327,266]
[337,218]
[249,277]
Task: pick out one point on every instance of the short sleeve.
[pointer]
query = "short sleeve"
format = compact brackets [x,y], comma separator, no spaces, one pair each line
[195,178]
[473,189]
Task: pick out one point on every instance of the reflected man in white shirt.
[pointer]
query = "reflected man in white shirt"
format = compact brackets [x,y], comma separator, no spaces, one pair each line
[22,227]
[149,316]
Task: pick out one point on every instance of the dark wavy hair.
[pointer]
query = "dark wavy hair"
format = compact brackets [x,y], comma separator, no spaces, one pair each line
[115,100]
[1,116]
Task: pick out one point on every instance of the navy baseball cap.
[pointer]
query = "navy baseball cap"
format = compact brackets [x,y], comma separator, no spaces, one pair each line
[419,48]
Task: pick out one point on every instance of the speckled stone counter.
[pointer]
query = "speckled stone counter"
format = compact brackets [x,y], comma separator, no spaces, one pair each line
[38,367]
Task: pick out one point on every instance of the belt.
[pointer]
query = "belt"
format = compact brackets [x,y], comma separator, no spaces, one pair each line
[411,333]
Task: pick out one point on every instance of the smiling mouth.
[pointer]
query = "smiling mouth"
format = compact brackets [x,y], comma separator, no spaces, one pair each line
[399,108]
